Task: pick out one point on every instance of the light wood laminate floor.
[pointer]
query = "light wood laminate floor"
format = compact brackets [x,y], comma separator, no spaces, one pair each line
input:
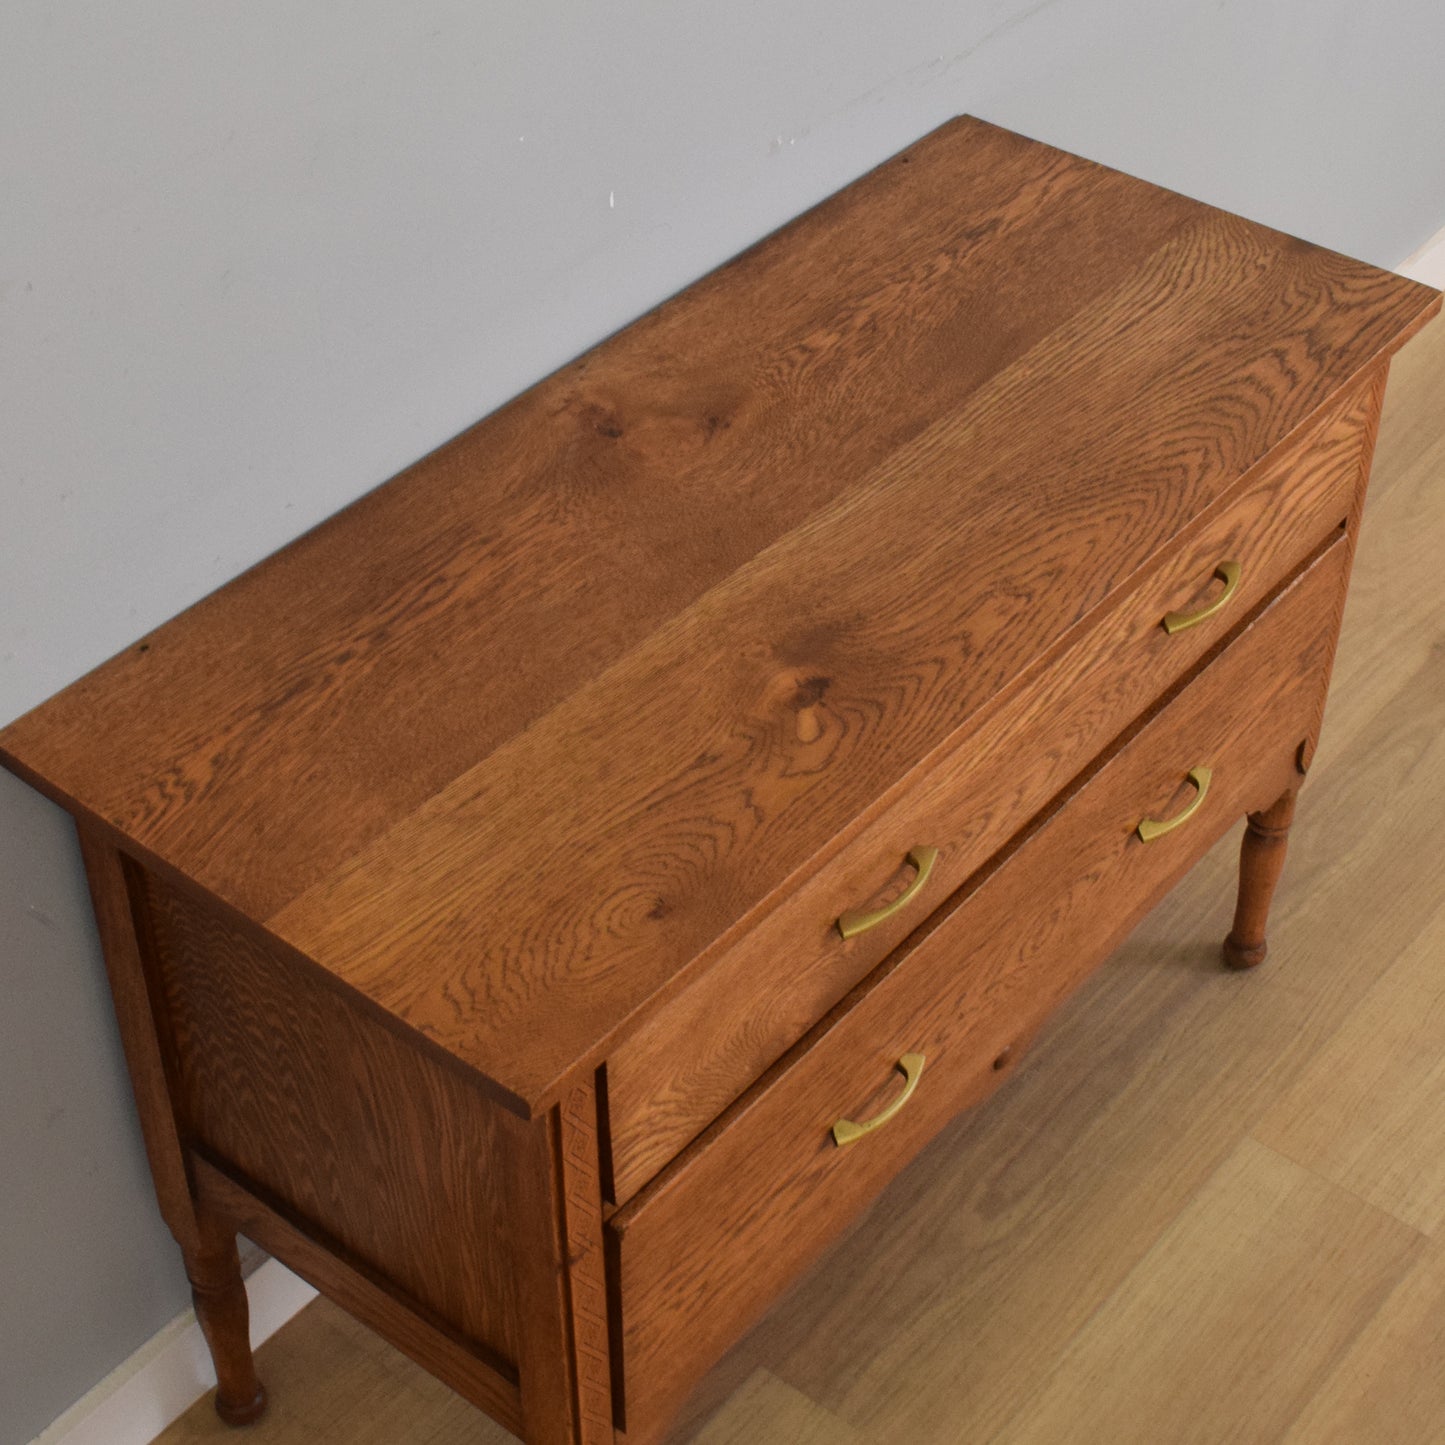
[1208,1208]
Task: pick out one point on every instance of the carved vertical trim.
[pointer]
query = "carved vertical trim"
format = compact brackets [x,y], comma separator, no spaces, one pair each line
[582,1191]
[565,1366]
[140,1037]
[1373,388]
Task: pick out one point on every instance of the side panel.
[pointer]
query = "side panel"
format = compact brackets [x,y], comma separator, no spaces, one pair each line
[373,1146]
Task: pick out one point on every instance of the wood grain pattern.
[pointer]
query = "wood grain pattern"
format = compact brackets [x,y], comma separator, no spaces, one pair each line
[973,1274]
[454,796]
[401,1162]
[1167,1342]
[566,1354]
[207,1240]
[1389,1388]
[584,636]
[693,815]
[964,1288]
[141,1020]
[219,1295]
[767,1408]
[1369,1111]
[334,1382]
[767,1181]
[1373,389]
[620,488]
[586,1266]
[476,1375]
[1261,861]
[699,1051]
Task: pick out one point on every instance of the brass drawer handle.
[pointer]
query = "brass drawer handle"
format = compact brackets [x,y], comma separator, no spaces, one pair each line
[1152,828]
[845,1131]
[1229,573]
[852,924]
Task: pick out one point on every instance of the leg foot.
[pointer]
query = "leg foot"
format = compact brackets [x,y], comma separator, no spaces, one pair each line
[1237,955]
[1261,860]
[214,1269]
[246,1414]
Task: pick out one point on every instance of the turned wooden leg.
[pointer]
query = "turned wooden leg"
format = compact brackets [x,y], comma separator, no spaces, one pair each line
[1261,860]
[208,1247]
[213,1267]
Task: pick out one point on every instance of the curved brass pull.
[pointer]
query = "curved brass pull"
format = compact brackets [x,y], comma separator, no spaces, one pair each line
[845,1131]
[1229,573]
[1152,828]
[852,924]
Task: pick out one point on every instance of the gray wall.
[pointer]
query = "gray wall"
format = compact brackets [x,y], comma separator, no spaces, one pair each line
[254,259]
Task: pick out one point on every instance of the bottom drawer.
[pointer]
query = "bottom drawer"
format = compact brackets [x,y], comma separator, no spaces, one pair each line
[699,1253]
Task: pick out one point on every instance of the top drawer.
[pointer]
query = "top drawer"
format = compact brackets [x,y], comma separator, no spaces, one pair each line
[667,1080]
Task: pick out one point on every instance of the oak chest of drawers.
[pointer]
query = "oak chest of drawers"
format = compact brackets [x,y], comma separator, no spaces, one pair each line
[546,903]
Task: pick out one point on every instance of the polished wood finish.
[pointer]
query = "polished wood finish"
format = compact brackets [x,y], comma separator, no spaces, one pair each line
[707,808]
[219,1294]
[697,1053]
[1261,861]
[600,614]
[767,1181]
[330,1114]
[489,1384]
[586,1318]
[1256,1197]
[1230,1185]
[1266,836]
[463,862]
[141,1022]
[1374,390]
[566,1357]
[206,1238]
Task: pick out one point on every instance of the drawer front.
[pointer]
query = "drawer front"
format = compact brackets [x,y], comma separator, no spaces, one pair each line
[668,1080]
[701,1251]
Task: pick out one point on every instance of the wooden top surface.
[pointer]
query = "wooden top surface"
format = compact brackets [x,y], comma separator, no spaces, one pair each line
[509,742]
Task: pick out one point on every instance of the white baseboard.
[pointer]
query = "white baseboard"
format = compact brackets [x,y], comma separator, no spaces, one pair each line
[1428,263]
[171,1371]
